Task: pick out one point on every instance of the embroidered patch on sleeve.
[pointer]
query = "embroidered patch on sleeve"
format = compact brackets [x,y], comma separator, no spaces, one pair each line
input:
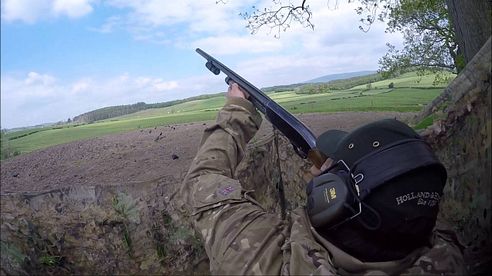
[225,191]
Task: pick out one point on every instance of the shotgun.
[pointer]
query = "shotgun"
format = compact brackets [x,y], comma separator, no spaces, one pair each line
[299,135]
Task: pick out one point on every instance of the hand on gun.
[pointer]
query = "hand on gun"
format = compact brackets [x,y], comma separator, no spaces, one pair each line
[236,91]
[300,136]
[316,172]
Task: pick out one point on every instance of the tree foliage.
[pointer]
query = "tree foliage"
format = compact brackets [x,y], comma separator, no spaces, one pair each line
[109,112]
[120,110]
[334,85]
[429,39]
[6,150]
[372,10]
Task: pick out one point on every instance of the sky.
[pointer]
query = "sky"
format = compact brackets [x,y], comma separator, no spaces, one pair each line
[61,58]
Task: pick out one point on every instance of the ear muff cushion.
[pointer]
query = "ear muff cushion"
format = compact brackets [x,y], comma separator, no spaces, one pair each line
[328,196]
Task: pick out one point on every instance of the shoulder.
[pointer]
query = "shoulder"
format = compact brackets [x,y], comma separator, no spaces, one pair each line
[307,254]
[444,257]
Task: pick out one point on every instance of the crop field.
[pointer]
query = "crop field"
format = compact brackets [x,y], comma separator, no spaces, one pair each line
[409,94]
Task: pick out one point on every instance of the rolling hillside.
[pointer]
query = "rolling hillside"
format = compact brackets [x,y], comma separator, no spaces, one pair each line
[409,94]
[342,76]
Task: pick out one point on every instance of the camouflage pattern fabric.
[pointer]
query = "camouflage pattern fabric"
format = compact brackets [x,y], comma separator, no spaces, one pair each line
[241,238]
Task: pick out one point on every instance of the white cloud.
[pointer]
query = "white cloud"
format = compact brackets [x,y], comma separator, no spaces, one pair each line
[190,24]
[23,97]
[37,98]
[226,45]
[200,14]
[184,20]
[72,8]
[30,11]
[156,12]
[156,84]
[335,46]
[160,85]
[36,78]
[111,23]
[24,10]
[80,86]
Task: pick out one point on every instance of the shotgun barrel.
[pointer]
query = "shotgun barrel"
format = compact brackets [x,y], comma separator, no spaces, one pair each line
[299,135]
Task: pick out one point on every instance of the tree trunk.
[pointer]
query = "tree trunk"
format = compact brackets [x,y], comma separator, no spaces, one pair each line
[471,20]
[462,140]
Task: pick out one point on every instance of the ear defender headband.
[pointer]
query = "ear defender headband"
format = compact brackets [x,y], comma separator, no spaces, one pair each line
[336,196]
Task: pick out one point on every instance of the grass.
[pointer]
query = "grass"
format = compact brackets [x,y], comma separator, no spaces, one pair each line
[407,80]
[400,100]
[49,260]
[410,94]
[183,109]
[426,122]
[51,137]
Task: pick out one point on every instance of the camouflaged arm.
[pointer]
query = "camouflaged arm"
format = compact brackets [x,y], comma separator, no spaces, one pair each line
[444,258]
[223,144]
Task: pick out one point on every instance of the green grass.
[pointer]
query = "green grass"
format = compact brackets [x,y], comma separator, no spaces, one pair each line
[407,96]
[195,106]
[426,122]
[407,80]
[400,100]
[51,137]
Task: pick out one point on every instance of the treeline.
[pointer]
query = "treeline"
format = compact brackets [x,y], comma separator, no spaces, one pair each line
[312,88]
[6,150]
[281,88]
[175,102]
[317,88]
[120,110]
[109,112]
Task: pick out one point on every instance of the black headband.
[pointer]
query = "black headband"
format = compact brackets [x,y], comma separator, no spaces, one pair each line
[391,161]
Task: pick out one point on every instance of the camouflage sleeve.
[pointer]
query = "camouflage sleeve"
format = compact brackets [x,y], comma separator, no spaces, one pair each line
[444,258]
[222,146]
[233,226]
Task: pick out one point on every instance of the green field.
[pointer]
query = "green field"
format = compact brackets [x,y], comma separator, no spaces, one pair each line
[410,94]
[409,80]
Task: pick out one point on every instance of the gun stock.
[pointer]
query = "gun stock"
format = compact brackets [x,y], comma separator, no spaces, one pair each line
[300,136]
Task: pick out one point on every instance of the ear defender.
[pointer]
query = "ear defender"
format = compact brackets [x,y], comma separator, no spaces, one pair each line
[331,199]
[336,196]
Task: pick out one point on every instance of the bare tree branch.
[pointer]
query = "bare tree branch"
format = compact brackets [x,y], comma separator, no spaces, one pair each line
[279,17]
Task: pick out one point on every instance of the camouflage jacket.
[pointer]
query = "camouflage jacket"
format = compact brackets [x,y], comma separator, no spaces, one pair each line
[241,238]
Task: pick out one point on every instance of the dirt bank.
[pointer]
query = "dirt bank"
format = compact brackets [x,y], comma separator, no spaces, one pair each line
[139,156]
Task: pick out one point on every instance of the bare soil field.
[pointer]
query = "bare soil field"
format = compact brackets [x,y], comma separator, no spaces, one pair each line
[145,155]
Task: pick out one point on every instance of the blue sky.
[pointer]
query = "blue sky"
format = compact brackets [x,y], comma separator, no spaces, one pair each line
[61,58]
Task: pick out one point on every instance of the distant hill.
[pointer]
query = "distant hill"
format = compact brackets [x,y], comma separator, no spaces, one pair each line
[115,111]
[120,110]
[331,77]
